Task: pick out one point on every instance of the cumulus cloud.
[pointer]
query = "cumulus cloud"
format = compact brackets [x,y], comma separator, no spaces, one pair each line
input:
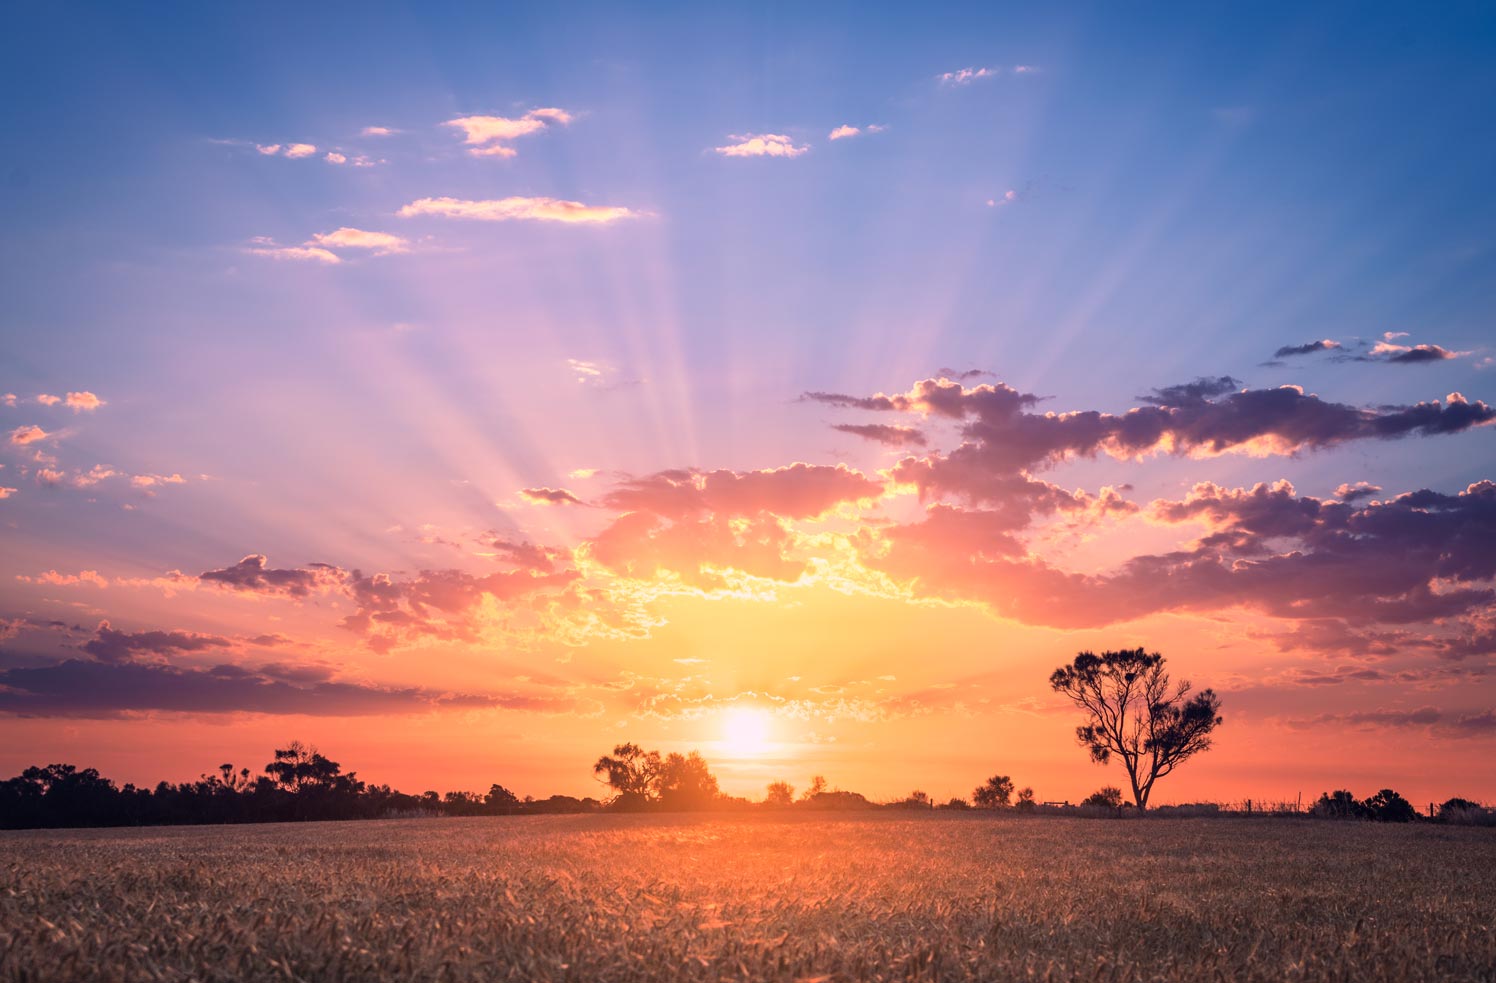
[761,145]
[21,436]
[296,150]
[114,646]
[379,243]
[1387,351]
[1350,492]
[518,209]
[490,136]
[84,401]
[253,574]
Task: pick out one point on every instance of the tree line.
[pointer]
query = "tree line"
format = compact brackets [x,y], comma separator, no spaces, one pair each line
[1133,715]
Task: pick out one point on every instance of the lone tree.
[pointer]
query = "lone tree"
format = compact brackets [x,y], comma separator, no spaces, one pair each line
[1132,714]
[631,772]
[995,793]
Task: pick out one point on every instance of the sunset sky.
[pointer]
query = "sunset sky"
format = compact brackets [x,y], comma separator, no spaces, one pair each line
[467,391]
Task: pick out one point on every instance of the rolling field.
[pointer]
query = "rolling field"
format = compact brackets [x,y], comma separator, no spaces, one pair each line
[596,898]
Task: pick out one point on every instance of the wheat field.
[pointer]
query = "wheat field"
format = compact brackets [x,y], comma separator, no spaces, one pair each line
[599,898]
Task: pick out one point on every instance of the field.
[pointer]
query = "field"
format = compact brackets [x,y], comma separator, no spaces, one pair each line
[597,898]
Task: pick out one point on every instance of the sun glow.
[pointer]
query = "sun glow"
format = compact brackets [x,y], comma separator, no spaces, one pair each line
[745,732]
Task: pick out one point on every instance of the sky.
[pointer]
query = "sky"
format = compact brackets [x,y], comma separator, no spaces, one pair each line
[467,389]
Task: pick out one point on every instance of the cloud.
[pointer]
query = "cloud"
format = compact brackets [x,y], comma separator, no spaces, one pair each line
[314,254]
[378,131]
[380,243]
[761,145]
[489,136]
[333,157]
[1323,345]
[1351,492]
[83,401]
[550,496]
[253,575]
[892,436]
[21,436]
[56,579]
[846,131]
[586,371]
[1007,198]
[1405,355]
[518,208]
[113,646]
[798,491]
[1458,724]
[7,492]
[48,400]
[966,76]
[78,688]
[296,150]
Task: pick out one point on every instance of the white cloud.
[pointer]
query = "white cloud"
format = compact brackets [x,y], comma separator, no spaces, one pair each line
[378,131]
[268,149]
[309,253]
[518,208]
[842,132]
[1007,198]
[333,157]
[761,145]
[585,371]
[488,136]
[381,243]
[966,76]
[296,150]
[1025,69]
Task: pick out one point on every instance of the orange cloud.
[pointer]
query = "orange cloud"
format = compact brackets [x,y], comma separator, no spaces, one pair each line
[83,401]
[380,243]
[488,136]
[21,436]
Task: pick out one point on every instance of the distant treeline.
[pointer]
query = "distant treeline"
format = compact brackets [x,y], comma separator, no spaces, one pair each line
[301,784]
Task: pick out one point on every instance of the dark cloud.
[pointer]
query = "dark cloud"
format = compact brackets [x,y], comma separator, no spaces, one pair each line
[114,646]
[550,496]
[1420,557]
[893,436]
[1442,722]
[1351,492]
[253,575]
[1199,391]
[76,688]
[1323,345]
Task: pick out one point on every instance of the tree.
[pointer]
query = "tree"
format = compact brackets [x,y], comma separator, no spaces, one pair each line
[995,793]
[1132,714]
[685,782]
[1107,797]
[630,772]
[499,797]
[1025,800]
[779,794]
[1389,807]
[1340,804]
[818,786]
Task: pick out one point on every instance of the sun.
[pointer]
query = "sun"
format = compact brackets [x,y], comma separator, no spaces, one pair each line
[745,731]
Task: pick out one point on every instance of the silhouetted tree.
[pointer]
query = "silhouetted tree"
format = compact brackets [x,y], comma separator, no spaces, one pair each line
[779,794]
[918,798]
[1132,714]
[685,782]
[1340,804]
[818,786]
[1107,797]
[995,793]
[1389,807]
[499,797]
[630,772]
[1025,801]
[956,804]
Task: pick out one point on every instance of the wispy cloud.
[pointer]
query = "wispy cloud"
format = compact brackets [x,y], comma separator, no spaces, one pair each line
[549,496]
[847,130]
[489,136]
[314,254]
[761,145]
[519,209]
[378,131]
[966,76]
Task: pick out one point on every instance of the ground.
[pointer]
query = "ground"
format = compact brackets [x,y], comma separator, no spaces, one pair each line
[882,897]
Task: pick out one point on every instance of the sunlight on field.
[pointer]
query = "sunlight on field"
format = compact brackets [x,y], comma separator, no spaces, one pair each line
[589,898]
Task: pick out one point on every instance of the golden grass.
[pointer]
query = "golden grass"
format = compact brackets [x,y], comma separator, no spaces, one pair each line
[600,898]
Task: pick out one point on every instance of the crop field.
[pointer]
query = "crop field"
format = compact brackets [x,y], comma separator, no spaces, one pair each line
[597,898]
